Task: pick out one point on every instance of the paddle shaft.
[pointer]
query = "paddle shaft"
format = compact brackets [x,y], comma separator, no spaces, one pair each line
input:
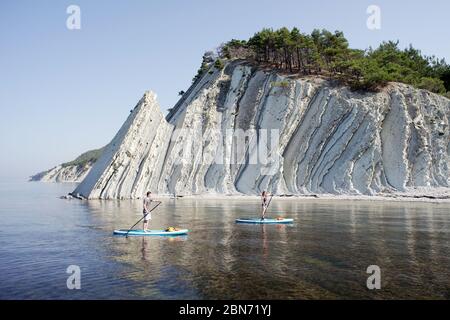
[268,204]
[159,202]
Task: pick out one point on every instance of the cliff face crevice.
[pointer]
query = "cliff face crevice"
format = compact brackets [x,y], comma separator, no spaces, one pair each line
[321,138]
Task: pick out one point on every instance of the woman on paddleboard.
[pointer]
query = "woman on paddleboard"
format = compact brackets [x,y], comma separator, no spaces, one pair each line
[265,202]
[146,210]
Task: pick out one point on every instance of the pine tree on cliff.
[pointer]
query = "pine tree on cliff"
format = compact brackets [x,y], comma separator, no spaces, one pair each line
[328,54]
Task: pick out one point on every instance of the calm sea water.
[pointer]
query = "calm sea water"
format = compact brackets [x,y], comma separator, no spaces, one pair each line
[323,255]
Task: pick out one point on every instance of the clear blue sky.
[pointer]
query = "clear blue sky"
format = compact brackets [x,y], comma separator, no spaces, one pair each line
[63,92]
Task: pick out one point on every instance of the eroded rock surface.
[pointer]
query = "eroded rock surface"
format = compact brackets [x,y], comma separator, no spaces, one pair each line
[330,140]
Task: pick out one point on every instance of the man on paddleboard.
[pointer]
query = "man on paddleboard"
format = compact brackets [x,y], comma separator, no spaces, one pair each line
[146,210]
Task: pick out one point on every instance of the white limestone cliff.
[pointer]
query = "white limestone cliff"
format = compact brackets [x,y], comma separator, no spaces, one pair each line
[331,140]
[71,173]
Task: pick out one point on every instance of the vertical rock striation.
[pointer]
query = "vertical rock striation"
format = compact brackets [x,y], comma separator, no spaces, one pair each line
[329,140]
[75,173]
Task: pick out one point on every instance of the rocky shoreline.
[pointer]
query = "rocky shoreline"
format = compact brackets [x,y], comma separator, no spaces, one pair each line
[439,195]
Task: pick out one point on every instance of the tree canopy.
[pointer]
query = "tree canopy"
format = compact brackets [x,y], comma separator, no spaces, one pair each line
[328,54]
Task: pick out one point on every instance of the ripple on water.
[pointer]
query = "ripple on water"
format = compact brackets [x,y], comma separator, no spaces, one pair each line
[324,254]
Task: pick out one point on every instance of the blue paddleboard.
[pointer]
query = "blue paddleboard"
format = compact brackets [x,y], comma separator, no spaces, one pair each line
[151,232]
[265,221]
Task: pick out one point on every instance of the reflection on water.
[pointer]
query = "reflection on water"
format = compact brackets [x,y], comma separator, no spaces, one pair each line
[324,254]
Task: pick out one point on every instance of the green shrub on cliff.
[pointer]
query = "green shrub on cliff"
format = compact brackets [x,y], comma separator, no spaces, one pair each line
[218,64]
[433,85]
[204,67]
[85,158]
[281,84]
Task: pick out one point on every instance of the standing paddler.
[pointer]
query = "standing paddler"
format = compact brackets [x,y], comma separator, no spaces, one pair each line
[265,203]
[146,210]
